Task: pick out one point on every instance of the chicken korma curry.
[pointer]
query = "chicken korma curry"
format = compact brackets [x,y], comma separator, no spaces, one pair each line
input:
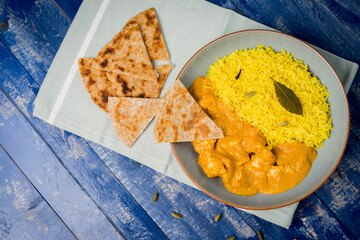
[242,158]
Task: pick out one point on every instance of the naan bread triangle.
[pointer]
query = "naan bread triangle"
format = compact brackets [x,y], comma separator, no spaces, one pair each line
[130,116]
[127,86]
[181,119]
[126,54]
[151,33]
[96,83]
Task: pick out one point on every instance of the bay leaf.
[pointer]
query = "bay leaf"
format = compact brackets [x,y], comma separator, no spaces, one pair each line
[287,98]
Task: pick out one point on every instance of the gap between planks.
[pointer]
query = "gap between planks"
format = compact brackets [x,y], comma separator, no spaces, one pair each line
[337,219]
[111,172]
[55,154]
[62,11]
[38,191]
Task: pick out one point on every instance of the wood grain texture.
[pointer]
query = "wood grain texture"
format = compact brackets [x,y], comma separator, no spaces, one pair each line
[312,21]
[69,8]
[348,12]
[24,214]
[225,4]
[312,220]
[35,32]
[72,154]
[354,103]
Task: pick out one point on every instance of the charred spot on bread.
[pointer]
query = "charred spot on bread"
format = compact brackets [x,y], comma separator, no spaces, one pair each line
[104,63]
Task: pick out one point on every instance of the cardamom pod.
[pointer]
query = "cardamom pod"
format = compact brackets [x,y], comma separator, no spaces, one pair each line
[155,197]
[283,124]
[250,94]
[176,215]
[217,217]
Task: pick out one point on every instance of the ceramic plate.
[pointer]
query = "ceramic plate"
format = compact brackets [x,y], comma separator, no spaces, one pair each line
[328,156]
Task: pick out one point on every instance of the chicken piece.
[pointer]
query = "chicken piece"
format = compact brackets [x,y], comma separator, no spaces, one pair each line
[294,162]
[231,146]
[239,180]
[204,145]
[253,140]
[214,164]
[199,88]
[263,158]
[295,155]
[208,104]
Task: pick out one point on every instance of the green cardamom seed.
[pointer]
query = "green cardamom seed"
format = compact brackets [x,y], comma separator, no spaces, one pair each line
[217,217]
[176,215]
[155,197]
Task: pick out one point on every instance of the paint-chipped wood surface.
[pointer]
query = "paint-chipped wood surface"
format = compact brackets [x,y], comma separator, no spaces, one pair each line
[55,185]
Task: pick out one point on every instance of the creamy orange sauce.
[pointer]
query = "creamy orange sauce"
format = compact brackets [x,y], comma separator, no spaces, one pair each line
[242,158]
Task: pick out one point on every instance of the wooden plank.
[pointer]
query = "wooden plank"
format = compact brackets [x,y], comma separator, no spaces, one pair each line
[341,193]
[29,36]
[24,214]
[312,220]
[197,208]
[225,4]
[69,8]
[311,21]
[354,103]
[348,12]
[71,154]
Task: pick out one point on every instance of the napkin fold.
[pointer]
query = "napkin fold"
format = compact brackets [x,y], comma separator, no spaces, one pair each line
[64,102]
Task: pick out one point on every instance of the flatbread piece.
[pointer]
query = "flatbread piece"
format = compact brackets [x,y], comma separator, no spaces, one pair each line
[127,86]
[182,119]
[126,54]
[96,83]
[130,116]
[151,33]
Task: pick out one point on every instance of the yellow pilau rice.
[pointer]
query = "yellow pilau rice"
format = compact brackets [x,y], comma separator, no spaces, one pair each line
[259,67]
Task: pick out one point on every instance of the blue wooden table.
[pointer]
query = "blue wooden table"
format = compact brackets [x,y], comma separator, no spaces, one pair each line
[55,185]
